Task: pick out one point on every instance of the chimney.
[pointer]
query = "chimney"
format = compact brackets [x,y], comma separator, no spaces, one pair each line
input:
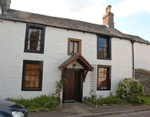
[108,18]
[5,5]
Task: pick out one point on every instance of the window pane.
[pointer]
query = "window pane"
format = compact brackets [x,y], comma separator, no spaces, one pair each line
[102,78]
[36,84]
[37,78]
[101,52]
[27,78]
[102,47]
[39,35]
[105,52]
[32,75]
[31,84]
[39,43]
[75,47]
[38,48]
[99,82]
[71,47]
[104,43]
[33,37]
[27,84]
[33,44]
[31,30]
[100,69]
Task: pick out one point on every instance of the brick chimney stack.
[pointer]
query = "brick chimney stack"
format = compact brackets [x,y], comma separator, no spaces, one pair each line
[108,18]
[5,4]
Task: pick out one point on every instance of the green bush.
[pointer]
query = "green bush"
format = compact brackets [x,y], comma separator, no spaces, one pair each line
[108,100]
[42,103]
[131,90]
[135,98]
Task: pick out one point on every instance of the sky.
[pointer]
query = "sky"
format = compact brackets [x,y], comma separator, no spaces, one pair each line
[130,16]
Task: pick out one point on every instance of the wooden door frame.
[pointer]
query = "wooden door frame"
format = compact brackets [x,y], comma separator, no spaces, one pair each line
[81,85]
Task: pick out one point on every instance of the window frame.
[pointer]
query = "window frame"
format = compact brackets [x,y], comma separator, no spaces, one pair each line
[108,78]
[23,88]
[79,45]
[108,47]
[28,26]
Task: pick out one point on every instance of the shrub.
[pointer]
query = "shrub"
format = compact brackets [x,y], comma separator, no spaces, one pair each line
[42,103]
[135,98]
[131,90]
[108,100]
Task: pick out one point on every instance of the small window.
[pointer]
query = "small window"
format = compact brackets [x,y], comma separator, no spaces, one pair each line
[103,77]
[32,75]
[74,46]
[34,41]
[103,48]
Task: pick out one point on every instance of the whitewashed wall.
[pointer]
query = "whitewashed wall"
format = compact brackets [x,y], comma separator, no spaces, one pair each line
[121,64]
[12,38]
[142,56]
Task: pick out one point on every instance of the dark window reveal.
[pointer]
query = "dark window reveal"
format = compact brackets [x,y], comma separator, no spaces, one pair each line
[103,77]
[34,39]
[103,48]
[32,75]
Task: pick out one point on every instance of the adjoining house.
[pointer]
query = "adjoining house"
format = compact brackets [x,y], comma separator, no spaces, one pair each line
[38,50]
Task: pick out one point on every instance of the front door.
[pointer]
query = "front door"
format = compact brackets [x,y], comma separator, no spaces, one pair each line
[70,86]
[73,86]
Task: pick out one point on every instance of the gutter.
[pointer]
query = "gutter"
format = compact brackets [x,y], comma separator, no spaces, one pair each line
[133,67]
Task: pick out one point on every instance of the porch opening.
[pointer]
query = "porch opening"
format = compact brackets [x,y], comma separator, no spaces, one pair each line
[75,76]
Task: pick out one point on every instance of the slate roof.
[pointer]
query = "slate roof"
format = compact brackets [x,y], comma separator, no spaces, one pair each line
[21,16]
[138,39]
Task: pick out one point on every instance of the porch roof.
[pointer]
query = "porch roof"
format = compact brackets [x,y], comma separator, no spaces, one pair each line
[80,59]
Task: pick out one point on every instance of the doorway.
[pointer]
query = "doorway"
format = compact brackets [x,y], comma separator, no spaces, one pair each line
[73,88]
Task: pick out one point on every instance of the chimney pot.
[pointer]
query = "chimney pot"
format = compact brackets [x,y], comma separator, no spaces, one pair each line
[108,8]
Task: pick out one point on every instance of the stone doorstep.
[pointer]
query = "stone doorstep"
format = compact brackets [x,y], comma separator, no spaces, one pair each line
[114,112]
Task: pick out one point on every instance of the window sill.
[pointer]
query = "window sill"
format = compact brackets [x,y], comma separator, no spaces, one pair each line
[72,53]
[104,58]
[38,52]
[31,90]
[98,89]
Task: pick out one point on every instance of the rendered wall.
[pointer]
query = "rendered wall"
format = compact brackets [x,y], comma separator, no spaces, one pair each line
[12,39]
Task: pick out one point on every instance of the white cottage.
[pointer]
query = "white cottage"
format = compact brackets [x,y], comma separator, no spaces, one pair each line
[38,50]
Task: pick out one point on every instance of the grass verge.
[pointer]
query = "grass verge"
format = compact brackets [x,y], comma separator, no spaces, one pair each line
[147,99]
[42,103]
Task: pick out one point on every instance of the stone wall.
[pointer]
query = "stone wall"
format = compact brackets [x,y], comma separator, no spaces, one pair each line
[144,77]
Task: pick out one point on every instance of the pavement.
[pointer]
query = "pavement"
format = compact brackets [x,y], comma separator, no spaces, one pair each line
[85,110]
[135,114]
